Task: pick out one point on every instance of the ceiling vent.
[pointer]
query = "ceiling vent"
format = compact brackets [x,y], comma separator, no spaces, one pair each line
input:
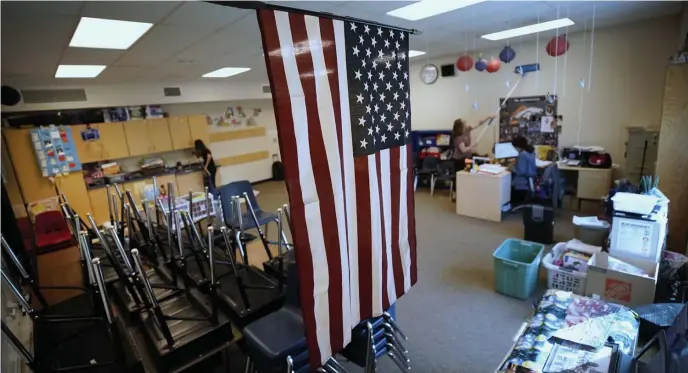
[266,89]
[172,91]
[46,96]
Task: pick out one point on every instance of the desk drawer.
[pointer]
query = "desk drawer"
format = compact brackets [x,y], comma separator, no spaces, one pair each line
[593,184]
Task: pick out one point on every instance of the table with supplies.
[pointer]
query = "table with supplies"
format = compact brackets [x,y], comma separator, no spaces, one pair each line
[482,195]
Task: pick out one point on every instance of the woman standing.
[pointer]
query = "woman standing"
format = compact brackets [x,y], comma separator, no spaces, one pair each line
[461,135]
[206,158]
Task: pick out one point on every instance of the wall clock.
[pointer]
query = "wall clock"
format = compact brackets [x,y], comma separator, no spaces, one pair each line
[429,74]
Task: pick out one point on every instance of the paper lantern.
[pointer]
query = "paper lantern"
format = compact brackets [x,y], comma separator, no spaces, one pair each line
[481,64]
[507,54]
[494,65]
[557,46]
[464,63]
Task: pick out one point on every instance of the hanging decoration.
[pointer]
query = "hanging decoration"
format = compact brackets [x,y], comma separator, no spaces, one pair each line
[507,54]
[557,46]
[464,63]
[494,65]
[481,64]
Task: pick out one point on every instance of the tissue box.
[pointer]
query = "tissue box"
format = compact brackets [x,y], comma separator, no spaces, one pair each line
[620,287]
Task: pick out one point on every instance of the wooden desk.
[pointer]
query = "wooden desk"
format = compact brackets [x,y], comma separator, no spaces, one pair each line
[593,183]
[481,195]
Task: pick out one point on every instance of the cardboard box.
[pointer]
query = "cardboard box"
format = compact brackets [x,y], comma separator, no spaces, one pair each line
[619,287]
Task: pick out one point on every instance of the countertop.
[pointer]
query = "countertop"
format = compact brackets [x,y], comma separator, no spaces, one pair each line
[168,171]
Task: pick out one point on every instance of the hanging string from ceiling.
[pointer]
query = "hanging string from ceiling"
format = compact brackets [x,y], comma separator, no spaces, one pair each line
[566,55]
[592,46]
[582,88]
[556,58]
[537,54]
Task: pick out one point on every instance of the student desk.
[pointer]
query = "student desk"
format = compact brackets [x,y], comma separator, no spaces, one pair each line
[482,196]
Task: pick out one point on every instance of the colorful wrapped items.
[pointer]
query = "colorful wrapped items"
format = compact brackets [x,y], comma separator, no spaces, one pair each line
[558,310]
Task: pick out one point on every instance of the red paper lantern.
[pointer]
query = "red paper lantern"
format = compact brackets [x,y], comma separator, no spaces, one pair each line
[493,65]
[464,63]
[557,46]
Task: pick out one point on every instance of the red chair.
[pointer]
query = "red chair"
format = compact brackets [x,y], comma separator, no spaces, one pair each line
[51,230]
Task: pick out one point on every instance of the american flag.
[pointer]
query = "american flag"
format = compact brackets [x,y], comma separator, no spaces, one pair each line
[341,96]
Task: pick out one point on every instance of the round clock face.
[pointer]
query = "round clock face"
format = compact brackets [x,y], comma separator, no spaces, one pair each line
[429,74]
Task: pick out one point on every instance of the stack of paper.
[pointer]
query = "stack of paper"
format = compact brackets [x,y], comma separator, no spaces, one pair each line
[634,203]
[491,169]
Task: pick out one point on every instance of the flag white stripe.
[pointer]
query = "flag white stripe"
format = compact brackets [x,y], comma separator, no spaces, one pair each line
[328,127]
[404,247]
[385,175]
[349,174]
[308,190]
[376,235]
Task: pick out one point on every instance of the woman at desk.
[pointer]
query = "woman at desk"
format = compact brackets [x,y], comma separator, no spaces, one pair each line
[523,171]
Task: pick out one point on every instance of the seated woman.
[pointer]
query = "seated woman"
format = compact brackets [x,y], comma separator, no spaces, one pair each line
[523,170]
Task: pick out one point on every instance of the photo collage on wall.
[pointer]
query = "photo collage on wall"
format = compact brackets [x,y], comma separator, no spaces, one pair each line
[533,117]
[55,151]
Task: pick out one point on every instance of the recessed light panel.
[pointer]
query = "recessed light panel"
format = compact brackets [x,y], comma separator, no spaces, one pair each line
[530,29]
[429,8]
[226,72]
[107,33]
[79,71]
[413,53]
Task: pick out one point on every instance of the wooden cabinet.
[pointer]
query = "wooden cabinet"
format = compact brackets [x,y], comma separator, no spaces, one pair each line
[74,189]
[164,180]
[88,151]
[113,140]
[33,185]
[192,181]
[136,134]
[179,131]
[99,205]
[159,135]
[198,127]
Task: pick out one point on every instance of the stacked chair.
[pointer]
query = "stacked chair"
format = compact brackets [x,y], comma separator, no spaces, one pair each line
[82,334]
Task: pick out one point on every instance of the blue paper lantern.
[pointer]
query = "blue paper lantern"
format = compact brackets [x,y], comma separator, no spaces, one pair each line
[507,54]
[481,64]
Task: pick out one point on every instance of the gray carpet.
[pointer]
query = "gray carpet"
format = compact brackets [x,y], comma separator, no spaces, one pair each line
[454,319]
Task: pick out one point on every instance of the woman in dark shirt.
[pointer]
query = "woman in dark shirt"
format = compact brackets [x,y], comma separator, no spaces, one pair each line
[206,158]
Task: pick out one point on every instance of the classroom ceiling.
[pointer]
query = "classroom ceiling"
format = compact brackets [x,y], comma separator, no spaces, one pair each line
[192,38]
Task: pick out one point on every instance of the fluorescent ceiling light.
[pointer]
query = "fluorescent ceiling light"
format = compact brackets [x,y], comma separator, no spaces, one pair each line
[413,53]
[429,8]
[107,33]
[531,29]
[226,72]
[78,71]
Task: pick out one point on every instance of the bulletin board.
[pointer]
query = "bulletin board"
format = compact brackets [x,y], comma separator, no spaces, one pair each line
[55,150]
[533,117]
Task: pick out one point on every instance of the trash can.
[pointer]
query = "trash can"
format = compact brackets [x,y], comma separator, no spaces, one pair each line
[592,235]
[538,224]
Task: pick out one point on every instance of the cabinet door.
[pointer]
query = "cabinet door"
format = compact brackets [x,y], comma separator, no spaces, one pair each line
[136,132]
[114,142]
[88,151]
[99,205]
[192,181]
[164,180]
[74,188]
[159,135]
[199,129]
[179,131]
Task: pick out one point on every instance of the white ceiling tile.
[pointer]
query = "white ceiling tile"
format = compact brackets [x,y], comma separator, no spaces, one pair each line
[90,56]
[137,11]
[65,8]
[160,43]
[197,13]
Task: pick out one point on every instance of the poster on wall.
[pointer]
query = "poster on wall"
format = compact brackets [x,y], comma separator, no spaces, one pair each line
[55,150]
[533,117]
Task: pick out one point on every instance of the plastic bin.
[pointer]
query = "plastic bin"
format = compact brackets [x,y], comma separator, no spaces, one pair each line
[561,279]
[590,235]
[516,264]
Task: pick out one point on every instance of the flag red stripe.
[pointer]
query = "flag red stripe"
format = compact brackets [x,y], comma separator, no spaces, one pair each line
[395,177]
[411,215]
[365,254]
[380,175]
[323,182]
[285,129]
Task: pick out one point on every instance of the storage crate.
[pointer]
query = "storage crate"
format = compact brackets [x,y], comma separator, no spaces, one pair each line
[516,264]
[561,279]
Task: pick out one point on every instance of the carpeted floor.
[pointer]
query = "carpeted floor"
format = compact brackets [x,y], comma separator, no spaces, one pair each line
[454,319]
